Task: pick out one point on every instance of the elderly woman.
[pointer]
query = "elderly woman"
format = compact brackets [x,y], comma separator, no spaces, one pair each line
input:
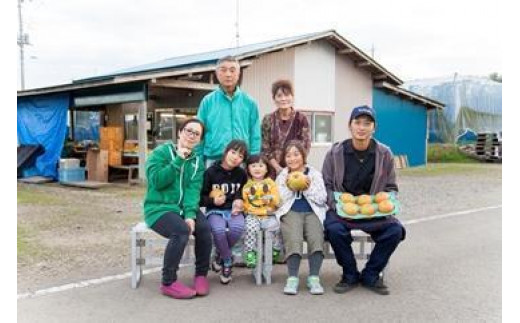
[171,208]
[283,125]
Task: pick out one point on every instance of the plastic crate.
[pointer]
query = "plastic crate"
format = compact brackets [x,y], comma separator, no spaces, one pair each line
[71,174]
[69,163]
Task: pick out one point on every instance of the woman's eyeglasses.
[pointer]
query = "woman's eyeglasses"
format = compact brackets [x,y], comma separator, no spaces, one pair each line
[191,132]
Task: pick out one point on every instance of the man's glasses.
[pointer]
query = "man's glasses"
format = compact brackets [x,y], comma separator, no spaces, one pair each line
[191,132]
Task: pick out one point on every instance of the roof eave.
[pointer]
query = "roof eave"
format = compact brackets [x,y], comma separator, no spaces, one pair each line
[328,35]
[427,102]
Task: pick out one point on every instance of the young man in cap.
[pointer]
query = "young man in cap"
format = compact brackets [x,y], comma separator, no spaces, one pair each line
[361,165]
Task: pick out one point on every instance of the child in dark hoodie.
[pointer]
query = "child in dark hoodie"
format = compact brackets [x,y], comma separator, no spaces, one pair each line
[222,196]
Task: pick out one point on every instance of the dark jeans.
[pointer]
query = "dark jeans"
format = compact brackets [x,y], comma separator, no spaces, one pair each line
[173,227]
[386,238]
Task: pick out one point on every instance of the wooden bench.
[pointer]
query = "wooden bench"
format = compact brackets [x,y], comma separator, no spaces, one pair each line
[131,169]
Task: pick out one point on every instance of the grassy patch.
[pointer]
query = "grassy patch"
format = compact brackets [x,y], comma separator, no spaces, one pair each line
[438,169]
[27,195]
[136,191]
[24,247]
[447,153]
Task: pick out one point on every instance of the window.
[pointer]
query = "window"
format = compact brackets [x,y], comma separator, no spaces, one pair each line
[321,127]
[164,129]
[131,127]
[86,125]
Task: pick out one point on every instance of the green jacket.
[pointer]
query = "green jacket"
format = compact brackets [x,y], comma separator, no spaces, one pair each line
[226,119]
[174,184]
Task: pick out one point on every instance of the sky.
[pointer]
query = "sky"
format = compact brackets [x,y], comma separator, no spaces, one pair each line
[412,39]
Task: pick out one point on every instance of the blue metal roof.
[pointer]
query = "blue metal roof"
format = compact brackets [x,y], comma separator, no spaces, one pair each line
[204,58]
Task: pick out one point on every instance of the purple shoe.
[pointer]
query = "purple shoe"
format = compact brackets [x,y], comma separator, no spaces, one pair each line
[201,285]
[178,290]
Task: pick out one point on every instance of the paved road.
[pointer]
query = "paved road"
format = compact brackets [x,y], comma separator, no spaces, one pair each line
[448,269]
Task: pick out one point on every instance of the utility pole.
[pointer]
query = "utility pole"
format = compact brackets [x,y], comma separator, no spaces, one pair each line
[373,50]
[237,35]
[23,39]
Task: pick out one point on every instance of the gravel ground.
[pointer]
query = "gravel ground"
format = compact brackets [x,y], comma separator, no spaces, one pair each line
[67,235]
[455,189]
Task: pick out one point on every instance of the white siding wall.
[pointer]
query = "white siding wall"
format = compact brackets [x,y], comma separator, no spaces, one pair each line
[314,69]
[353,88]
[258,78]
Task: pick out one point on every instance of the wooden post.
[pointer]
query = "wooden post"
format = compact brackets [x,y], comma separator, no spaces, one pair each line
[142,136]
[72,125]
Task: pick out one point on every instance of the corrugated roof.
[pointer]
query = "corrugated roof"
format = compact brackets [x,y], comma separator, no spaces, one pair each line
[245,52]
[202,58]
[202,62]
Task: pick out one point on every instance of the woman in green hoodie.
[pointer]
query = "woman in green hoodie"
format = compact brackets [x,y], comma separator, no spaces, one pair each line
[171,208]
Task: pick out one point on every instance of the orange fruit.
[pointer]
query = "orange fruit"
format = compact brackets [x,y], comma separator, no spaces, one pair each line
[350,208]
[364,199]
[381,196]
[347,198]
[386,206]
[367,209]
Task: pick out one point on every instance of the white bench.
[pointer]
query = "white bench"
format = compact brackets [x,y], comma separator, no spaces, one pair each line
[147,249]
[362,245]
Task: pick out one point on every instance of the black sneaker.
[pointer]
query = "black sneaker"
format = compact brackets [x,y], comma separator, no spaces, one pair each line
[343,286]
[216,265]
[225,275]
[379,287]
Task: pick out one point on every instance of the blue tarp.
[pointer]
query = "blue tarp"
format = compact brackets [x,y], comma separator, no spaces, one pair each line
[472,102]
[43,120]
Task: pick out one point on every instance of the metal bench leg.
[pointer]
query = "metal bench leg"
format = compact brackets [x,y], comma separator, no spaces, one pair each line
[259,258]
[136,269]
[268,256]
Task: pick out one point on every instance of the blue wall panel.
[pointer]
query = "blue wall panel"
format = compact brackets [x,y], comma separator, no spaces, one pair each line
[401,125]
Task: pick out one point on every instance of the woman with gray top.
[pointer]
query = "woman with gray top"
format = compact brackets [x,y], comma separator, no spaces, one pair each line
[301,215]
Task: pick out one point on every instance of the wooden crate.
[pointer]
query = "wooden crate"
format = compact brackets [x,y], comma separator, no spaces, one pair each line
[115,157]
[401,161]
[111,138]
[97,165]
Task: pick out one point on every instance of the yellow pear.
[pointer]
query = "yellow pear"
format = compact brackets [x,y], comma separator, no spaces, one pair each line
[367,209]
[364,199]
[216,193]
[386,206]
[347,198]
[297,181]
[381,196]
[350,208]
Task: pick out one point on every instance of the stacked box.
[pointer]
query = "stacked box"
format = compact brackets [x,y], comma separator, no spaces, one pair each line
[130,147]
[71,174]
[115,158]
[111,139]
[66,163]
[97,165]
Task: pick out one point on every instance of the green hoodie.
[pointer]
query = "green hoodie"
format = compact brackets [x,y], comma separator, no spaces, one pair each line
[174,184]
[226,119]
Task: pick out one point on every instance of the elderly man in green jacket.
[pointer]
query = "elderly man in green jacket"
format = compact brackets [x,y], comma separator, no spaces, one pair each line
[228,113]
